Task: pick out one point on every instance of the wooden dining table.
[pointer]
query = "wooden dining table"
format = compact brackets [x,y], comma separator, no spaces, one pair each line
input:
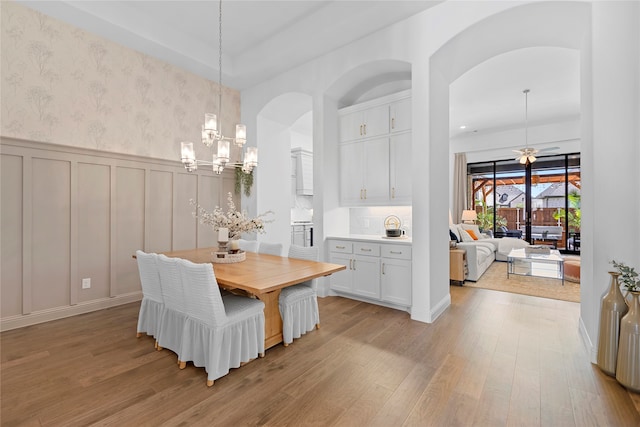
[262,276]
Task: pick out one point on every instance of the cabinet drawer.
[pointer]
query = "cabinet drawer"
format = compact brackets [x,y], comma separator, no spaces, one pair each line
[396,251]
[340,246]
[367,249]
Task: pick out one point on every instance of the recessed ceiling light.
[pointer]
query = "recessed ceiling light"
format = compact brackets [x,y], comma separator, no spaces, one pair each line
[463,127]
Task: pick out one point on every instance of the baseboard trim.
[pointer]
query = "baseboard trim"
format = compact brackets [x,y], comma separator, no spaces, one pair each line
[20,321]
[586,339]
[440,307]
[369,301]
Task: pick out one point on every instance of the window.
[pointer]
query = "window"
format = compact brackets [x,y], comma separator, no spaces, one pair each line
[539,202]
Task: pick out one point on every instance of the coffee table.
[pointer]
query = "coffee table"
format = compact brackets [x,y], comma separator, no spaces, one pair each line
[550,265]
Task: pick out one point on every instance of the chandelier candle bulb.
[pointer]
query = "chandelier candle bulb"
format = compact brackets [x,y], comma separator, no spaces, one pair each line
[223,234]
[241,135]
[251,157]
[210,122]
[188,156]
[223,151]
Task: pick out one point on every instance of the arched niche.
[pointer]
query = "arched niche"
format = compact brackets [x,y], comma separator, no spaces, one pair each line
[275,125]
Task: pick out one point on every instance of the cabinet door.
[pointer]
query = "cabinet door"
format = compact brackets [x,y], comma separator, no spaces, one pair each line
[366,276]
[351,173]
[351,126]
[395,283]
[400,115]
[376,171]
[305,174]
[342,280]
[400,168]
[376,121]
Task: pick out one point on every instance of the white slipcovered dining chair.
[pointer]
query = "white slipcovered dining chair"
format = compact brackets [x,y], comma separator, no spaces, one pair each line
[175,307]
[248,245]
[152,305]
[220,333]
[270,248]
[299,303]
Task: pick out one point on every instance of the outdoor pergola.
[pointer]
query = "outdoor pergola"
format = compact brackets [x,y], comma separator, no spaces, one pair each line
[485,185]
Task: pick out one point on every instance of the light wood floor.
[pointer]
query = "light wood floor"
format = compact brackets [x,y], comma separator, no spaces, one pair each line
[492,359]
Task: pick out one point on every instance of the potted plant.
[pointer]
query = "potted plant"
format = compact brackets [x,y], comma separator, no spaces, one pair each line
[485,219]
[575,214]
[628,362]
[628,276]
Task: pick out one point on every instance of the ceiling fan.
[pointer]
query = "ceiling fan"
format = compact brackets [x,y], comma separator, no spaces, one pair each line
[528,154]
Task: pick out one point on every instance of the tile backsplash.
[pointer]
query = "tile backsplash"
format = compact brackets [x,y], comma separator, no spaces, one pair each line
[371,220]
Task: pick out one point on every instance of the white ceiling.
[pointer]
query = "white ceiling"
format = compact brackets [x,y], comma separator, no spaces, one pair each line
[262,39]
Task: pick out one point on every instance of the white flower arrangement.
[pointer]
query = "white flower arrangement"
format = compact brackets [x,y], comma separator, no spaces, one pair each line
[237,222]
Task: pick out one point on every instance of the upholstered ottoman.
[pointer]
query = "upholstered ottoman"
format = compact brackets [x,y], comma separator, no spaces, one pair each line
[572,269]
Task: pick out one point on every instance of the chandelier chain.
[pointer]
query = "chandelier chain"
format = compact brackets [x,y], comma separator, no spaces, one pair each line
[220,63]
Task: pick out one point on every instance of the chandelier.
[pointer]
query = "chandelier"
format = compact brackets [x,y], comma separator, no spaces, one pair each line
[212,132]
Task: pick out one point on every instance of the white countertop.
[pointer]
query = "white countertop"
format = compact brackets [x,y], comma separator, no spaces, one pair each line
[374,238]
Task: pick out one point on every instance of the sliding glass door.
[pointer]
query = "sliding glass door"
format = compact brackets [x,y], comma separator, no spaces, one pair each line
[538,202]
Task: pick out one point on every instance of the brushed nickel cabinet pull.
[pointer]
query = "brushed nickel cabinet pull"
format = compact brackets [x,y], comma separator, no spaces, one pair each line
[365,250]
[394,252]
[354,264]
[365,194]
[340,247]
[393,123]
[365,128]
[360,130]
[383,268]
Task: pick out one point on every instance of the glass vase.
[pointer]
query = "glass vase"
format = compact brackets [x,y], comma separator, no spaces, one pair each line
[628,364]
[612,309]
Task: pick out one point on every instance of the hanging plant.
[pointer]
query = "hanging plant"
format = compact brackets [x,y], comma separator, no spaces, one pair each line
[243,179]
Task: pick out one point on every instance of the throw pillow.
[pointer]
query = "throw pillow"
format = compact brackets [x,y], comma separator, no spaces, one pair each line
[454,229]
[472,234]
[452,236]
[472,227]
[464,236]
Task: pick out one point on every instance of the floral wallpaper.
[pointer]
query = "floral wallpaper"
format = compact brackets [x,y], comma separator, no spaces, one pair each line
[63,85]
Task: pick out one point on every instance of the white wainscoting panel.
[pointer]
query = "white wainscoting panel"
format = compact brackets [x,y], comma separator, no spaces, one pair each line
[160,202]
[11,241]
[129,225]
[70,213]
[50,237]
[93,230]
[184,224]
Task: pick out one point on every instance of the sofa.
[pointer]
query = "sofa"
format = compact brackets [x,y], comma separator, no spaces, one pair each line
[480,253]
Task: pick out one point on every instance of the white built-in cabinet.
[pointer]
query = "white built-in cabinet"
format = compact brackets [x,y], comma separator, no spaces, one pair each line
[375,152]
[364,171]
[302,166]
[378,273]
[364,123]
[400,168]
